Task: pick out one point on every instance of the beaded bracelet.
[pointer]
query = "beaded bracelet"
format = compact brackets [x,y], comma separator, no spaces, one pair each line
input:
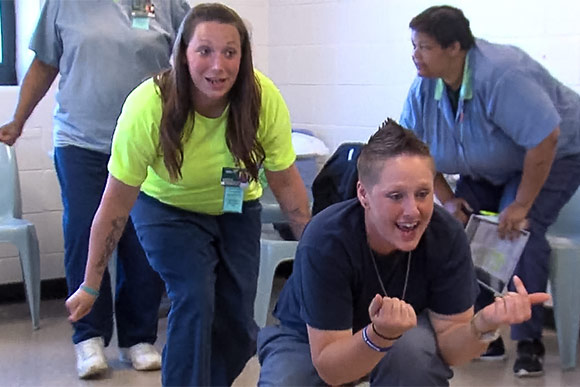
[91,291]
[372,345]
[383,336]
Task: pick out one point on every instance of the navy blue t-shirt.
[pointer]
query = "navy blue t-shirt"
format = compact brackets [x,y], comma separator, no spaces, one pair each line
[334,279]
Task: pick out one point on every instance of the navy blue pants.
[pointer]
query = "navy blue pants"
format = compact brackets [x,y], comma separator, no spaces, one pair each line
[533,267]
[414,359]
[82,175]
[210,268]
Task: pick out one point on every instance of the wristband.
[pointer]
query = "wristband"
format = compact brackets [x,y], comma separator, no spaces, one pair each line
[91,291]
[372,345]
[382,336]
[486,337]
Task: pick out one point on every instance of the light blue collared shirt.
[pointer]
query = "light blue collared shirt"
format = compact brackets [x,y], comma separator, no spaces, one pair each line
[508,104]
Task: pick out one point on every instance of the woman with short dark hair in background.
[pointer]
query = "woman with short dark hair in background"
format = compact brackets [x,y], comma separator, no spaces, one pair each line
[496,117]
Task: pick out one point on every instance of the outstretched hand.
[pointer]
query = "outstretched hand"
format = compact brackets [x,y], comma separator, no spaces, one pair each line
[79,304]
[512,308]
[392,317]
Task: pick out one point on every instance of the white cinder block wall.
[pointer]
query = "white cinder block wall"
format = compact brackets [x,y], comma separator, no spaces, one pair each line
[40,192]
[343,66]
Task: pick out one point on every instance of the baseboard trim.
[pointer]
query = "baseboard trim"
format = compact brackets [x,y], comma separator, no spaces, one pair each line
[50,289]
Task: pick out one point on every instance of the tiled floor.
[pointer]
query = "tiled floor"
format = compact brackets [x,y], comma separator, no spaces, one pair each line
[45,357]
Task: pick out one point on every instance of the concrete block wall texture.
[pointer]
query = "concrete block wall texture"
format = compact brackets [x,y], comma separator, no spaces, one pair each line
[39,187]
[343,66]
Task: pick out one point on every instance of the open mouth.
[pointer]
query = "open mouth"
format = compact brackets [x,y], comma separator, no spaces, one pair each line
[418,65]
[407,226]
[215,81]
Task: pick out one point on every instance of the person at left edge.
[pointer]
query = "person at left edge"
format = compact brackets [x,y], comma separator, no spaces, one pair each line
[177,135]
[102,50]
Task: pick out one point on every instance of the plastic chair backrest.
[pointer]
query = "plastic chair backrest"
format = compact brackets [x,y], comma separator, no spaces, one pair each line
[568,223]
[10,205]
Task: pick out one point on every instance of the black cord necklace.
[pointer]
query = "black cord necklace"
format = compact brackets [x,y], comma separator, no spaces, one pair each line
[409,256]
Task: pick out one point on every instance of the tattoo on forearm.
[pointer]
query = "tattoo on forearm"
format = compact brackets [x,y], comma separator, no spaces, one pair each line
[118,226]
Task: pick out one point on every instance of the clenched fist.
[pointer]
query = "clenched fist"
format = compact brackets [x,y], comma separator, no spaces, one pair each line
[10,132]
[391,317]
[79,304]
[455,207]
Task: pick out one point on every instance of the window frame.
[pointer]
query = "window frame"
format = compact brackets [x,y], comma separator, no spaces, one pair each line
[8,65]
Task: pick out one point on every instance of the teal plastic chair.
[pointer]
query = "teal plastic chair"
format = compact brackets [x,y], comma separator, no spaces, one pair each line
[564,238]
[18,231]
[272,253]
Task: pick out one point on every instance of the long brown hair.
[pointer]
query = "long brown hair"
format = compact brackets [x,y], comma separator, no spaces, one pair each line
[175,85]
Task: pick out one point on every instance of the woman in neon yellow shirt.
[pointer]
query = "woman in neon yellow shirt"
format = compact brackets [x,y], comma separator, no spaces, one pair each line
[185,160]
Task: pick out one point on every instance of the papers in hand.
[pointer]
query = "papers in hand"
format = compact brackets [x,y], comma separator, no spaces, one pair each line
[494,259]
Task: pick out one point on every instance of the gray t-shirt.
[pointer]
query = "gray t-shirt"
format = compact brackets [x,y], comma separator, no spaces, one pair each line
[102,54]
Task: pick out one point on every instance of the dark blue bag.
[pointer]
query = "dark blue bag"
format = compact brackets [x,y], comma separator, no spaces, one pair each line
[337,179]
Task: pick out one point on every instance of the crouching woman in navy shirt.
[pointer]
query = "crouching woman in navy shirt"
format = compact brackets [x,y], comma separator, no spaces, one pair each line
[383,285]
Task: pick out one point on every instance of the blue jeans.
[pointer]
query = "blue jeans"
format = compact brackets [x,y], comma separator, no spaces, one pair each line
[210,268]
[413,360]
[533,267]
[82,175]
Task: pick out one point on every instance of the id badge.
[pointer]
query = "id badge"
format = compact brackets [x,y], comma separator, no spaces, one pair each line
[234,180]
[140,23]
[233,199]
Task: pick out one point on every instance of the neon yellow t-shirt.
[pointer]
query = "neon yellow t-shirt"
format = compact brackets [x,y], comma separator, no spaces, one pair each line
[136,159]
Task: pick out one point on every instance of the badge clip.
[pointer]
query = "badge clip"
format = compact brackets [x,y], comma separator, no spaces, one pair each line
[142,9]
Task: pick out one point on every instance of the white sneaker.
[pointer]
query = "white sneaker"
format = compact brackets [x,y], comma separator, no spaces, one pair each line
[90,357]
[142,356]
